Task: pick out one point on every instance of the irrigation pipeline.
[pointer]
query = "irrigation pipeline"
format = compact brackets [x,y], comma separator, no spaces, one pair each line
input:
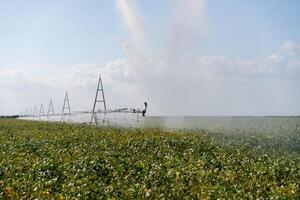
[102,118]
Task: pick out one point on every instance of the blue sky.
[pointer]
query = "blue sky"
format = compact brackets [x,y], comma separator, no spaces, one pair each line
[59,31]
[71,31]
[52,38]
[250,28]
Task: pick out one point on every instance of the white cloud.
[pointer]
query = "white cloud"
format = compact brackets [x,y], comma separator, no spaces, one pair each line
[225,86]
[291,47]
[266,67]
[215,85]
[23,89]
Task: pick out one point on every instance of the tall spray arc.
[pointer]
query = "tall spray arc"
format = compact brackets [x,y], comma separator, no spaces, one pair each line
[163,77]
[183,33]
[134,66]
[186,26]
[134,45]
[183,30]
[134,23]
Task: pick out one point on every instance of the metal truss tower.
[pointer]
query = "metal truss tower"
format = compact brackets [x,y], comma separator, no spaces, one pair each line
[41,113]
[35,113]
[30,112]
[66,110]
[98,99]
[26,112]
[50,109]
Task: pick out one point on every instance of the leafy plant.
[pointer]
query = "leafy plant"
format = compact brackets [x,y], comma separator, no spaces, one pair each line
[63,161]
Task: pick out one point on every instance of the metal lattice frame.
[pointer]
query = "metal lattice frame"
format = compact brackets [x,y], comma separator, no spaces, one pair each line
[35,112]
[41,113]
[98,100]
[50,109]
[66,110]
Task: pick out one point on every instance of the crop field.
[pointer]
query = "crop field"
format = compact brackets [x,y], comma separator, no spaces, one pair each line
[65,161]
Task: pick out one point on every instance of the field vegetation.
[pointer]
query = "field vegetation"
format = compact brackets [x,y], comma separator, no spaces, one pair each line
[66,161]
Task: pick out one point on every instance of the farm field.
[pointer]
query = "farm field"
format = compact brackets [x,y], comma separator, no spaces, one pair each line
[64,161]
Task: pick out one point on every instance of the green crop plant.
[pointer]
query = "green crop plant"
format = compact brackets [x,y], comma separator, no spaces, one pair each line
[65,161]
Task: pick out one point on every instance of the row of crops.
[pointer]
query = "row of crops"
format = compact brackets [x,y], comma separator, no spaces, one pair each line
[66,161]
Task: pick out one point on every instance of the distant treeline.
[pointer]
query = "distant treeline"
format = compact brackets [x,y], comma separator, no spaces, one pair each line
[8,116]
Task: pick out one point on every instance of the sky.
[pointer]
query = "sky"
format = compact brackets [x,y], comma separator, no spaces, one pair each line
[184,57]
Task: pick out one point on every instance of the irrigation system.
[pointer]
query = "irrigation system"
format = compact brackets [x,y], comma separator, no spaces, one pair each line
[98,115]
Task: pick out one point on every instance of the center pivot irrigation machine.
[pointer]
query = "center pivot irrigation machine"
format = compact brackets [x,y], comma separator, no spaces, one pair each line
[100,99]
[100,114]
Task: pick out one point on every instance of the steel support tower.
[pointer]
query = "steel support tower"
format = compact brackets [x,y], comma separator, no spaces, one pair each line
[50,109]
[66,110]
[98,100]
[41,113]
[35,113]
